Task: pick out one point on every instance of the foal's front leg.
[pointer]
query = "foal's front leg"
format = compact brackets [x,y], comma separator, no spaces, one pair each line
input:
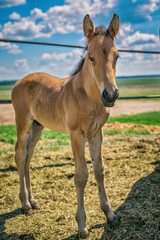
[95,145]
[80,179]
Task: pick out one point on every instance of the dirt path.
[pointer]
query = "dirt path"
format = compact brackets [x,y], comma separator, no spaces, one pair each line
[121,107]
[134,106]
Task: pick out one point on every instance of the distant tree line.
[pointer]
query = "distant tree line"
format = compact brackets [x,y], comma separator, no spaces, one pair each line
[7,82]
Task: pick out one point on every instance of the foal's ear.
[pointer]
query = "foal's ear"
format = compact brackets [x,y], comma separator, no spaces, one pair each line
[114,26]
[88,27]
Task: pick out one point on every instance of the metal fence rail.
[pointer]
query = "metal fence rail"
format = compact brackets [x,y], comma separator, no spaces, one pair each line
[120,98]
[5,101]
[72,46]
[140,97]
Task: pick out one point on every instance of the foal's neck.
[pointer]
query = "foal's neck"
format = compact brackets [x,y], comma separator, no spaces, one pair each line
[87,81]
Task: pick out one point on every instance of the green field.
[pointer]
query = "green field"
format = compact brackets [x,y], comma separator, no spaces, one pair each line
[132,174]
[138,86]
[150,118]
[139,80]
[128,86]
[5,91]
[8,133]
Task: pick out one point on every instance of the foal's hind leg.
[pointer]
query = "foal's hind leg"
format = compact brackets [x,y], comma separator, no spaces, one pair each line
[98,167]
[24,126]
[33,139]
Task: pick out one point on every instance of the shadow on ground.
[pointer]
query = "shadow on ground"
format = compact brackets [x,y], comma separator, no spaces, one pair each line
[6,216]
[139,214]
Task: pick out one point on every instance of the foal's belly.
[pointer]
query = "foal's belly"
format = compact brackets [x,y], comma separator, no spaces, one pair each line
[52,125]
[55,123]
[60,128]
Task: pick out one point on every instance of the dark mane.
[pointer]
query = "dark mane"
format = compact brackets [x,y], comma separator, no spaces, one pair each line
[80,63]
[101,30]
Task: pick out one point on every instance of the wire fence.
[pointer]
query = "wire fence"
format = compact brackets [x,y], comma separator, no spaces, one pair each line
[83,47]
[119,98]
[73,46]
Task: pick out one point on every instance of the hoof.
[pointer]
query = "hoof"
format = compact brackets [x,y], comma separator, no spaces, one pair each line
[84,234]
[35,206]
[27,211]
[114,223]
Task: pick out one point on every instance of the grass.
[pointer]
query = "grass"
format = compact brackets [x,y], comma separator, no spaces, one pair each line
[8,133]
[5,91]
[138,86]
[143,90]
[127,132]
[149,118]
[138,81]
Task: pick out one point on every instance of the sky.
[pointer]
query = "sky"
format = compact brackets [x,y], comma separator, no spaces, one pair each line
[60,21]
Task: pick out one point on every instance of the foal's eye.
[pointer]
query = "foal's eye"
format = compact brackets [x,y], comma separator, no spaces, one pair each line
[104,52]
[91,59]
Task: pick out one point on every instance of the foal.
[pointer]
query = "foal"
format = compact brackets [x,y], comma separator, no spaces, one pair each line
[78,105]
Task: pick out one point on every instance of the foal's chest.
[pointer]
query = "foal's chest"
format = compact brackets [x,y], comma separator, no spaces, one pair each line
[94,122]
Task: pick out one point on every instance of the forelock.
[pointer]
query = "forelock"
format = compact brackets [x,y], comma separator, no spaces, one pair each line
[101,30]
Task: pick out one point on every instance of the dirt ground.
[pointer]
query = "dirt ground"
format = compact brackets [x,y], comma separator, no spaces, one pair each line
[121,107]
[132,173]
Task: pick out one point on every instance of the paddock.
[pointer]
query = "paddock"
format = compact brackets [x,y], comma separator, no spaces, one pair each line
[132,171]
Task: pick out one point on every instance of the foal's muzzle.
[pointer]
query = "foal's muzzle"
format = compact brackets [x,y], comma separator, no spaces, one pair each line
[109,99]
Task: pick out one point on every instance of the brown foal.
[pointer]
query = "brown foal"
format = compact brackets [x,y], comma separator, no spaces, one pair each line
[78,105]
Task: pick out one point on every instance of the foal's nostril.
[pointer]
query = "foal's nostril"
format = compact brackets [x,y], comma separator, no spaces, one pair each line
[105,94]
[108,97]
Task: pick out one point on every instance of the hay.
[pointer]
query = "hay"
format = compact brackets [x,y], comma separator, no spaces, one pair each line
[132,169]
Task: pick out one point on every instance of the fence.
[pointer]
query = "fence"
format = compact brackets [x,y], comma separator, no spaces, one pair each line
[82,47]
[72,46]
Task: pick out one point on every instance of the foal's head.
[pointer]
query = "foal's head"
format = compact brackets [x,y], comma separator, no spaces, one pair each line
[102,56]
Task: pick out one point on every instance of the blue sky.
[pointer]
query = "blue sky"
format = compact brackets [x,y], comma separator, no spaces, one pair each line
[60,21]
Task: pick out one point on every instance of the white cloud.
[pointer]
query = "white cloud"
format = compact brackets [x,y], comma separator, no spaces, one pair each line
[110,3]
[60,64]
[3,69]
[139,38]
[127,38]
[137,64]
[9,73]
[10,3]
[149,7]
[62,19]
[11,48]
[21,65]
[37,13]
[6,72]
[25,28]
[15,16]
[125,29]
[82,41]
[68,56]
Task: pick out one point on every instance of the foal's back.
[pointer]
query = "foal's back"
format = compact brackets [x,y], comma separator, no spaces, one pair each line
[40,96]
